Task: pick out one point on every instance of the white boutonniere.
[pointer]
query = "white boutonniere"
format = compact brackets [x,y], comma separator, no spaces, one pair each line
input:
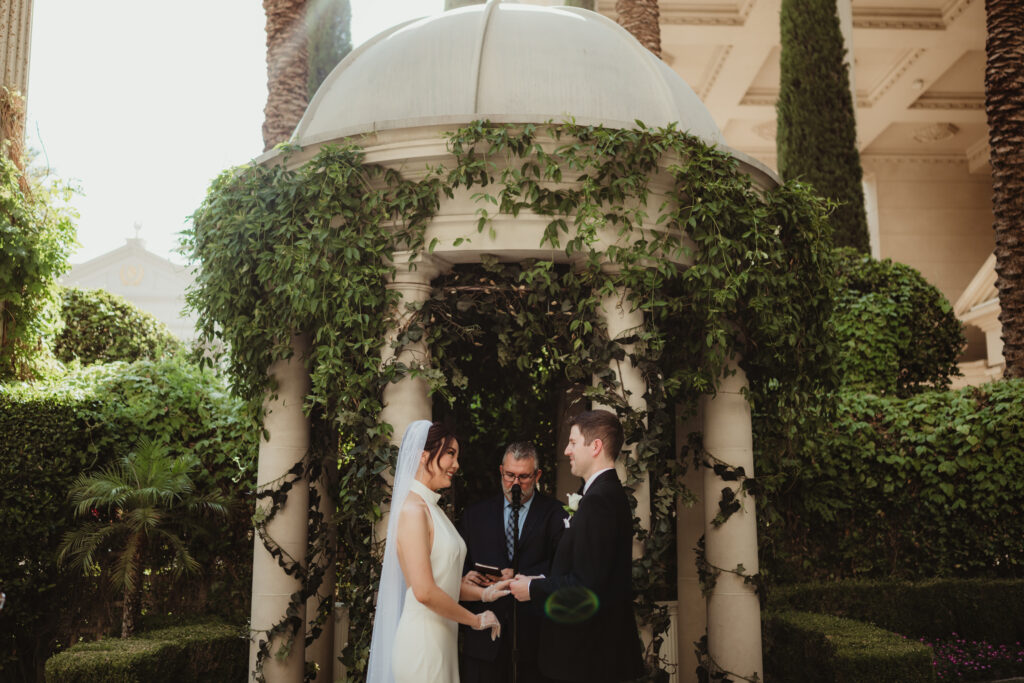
[572,507]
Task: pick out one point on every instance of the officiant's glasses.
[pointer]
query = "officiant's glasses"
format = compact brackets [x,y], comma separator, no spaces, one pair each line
[523,478]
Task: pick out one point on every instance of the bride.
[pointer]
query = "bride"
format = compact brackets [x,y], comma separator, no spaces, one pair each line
[415,630]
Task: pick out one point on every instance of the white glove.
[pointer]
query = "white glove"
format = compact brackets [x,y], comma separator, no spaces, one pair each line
[495,591]
[489,621]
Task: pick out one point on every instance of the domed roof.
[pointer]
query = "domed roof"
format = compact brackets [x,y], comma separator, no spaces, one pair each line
[506,62]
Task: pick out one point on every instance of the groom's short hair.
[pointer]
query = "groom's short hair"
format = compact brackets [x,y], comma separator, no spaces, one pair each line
[600,424]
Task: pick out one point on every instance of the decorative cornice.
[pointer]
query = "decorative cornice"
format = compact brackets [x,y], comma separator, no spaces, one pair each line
[950,100]
[979,156]
[698,13]
[955,9]
[909,58]
[898,18]
[716,70]
[914,158]
[760,97]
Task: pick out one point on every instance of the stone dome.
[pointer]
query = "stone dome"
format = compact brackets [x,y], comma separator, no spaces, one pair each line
[507,62]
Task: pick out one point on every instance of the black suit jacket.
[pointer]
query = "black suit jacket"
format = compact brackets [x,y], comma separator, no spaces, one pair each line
[483,529]
[595,554]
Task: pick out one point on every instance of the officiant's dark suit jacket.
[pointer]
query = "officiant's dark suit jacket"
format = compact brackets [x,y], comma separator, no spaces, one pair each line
[595,553]
[483,529]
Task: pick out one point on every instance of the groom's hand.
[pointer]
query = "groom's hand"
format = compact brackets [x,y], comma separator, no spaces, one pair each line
[520,589]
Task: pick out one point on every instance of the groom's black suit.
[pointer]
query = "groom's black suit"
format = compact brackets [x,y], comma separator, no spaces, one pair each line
[483,529]
[595,553]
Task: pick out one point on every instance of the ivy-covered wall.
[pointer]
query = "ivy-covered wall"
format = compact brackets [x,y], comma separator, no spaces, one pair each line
[914,488]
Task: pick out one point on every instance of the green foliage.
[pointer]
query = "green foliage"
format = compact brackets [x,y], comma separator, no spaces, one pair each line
[926,486]
[144,511]
[36,238]
[897,333]
[55,431]
[729,270]
[935,608]
[817,137]
[819,648]
[204,653]
[329,31]
[100,327]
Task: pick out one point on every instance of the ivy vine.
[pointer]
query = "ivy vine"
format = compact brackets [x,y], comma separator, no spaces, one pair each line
[718,268]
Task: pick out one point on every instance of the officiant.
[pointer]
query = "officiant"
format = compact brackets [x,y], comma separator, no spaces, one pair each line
[487,528]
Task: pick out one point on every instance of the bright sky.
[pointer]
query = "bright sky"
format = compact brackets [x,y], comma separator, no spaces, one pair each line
[143,103]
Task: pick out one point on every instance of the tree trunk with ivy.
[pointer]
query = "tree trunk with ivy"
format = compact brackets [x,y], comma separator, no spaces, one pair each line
[1004,106]
[287,69]
[640,18]
[817,130]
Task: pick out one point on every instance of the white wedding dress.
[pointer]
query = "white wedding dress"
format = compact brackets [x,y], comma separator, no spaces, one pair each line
[426,644]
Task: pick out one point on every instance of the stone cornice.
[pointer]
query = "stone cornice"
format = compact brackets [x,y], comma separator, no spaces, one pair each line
[908,59]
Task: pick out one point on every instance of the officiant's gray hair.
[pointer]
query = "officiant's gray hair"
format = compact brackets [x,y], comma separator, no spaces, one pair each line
[521,450]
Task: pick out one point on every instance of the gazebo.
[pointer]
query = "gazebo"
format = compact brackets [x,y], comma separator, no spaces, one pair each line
[396,95]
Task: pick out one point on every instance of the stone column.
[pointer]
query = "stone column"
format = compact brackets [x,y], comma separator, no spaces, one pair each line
[693,615]
[408,399]
[321,650]
[15,43]
[15,49]
[286,444]
[734,614]
[620,317]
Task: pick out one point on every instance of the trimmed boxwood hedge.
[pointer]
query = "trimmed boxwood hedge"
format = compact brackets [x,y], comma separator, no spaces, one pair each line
[976,609]
[803,647]
[203,653]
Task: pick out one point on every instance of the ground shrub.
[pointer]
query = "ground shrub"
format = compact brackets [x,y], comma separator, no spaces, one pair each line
[54,431]
[100,327]
[204,653]
[803,647]
[897,333]
[965,623]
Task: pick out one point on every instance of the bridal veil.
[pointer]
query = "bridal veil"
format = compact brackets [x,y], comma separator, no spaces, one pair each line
[391,592]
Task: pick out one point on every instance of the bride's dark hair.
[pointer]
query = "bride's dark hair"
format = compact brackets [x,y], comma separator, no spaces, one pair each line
[440,437]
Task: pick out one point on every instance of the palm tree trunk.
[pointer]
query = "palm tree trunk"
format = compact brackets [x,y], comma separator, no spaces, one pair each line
[1004,105]
[640,17]
[287,69]
[131,608]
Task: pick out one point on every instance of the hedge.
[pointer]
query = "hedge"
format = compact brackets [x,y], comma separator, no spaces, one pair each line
[100,327]
[923,487]
[52,432]
[204,653]
[975,609]
[803,647]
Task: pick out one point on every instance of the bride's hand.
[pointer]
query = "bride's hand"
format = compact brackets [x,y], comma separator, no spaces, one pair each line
[489,621]
[495,591]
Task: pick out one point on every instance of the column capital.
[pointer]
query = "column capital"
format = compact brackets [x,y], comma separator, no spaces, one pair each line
[415,269]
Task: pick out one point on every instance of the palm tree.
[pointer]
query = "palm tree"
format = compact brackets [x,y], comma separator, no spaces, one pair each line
[142,507]
[1004,106]
[640,17]
[287,69]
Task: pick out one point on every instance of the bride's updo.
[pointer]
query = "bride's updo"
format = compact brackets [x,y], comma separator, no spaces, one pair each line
[440,437]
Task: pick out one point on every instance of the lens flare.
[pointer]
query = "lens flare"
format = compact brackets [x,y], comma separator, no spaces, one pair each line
[572,605]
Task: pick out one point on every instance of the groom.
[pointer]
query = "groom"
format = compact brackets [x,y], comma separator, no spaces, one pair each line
[590,631]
